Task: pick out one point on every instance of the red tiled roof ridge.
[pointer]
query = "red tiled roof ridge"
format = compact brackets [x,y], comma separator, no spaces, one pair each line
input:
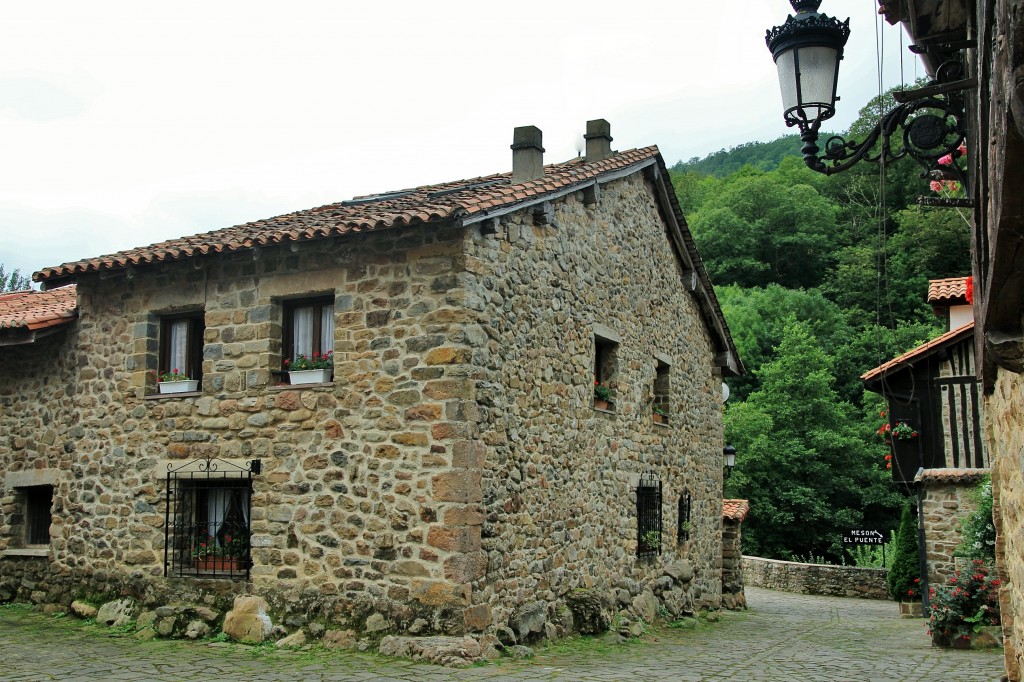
[735,510]
[952,474]
[33,310]
[918,352]
[398,208]
[948,288]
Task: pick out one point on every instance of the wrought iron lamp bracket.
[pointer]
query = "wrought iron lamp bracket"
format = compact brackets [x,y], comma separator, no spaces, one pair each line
[932,127]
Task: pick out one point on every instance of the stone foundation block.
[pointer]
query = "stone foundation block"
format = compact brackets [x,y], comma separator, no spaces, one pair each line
[247,621]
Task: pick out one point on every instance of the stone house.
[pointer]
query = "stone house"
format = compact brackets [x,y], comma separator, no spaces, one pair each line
[934,390]
[454,474]
[988,37]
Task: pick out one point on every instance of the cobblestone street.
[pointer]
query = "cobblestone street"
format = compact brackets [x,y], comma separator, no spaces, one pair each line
[782,637]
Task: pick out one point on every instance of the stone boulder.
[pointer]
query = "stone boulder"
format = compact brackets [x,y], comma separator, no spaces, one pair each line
[83,610]
[294,640]
[247,621]
[591,611]
[339,639]
[117,613]
[680,571]
[645,606]
[529,619]
[452,652]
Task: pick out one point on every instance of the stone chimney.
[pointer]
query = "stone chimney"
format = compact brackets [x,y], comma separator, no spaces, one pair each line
[527,154]
[599,140]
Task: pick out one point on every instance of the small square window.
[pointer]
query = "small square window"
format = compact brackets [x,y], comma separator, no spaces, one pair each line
[606,365]
[648,516]
[308,327]
[685,525]
[38,502]
[208,527]
[662,393]
[181,345]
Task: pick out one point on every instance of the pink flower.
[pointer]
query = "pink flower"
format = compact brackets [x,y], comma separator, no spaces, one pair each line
[946,160]
[935,185]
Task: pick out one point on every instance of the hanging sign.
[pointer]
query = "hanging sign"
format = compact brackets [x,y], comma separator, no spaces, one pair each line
[863,537]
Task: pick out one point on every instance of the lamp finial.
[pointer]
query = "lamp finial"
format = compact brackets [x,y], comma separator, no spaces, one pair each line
[805,5]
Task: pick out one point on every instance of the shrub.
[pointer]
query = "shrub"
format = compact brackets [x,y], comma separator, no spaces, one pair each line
[978,533]
[904,577]
[964,605]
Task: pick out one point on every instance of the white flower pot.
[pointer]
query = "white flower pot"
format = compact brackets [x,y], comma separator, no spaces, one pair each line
[179,386]
[309,376]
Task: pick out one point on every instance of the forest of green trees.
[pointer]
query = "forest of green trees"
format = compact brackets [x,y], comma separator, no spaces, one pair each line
[820,279]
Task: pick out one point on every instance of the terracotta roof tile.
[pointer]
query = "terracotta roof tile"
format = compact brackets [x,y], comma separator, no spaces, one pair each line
[34,310]
[469,200]
[421,205]
[922,351]
[947,290]
[950,475]
[735,510]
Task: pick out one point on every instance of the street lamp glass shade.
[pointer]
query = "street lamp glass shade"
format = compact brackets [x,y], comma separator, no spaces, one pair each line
[807,50]
[807,77]
[730,456]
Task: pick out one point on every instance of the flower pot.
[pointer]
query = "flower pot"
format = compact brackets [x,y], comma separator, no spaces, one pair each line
[179,386]
[660,418]
[601,404]
[220,564]
[309,376]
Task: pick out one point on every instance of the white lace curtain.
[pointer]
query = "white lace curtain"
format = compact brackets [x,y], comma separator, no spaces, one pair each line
[218,506]
[302,330]
[178,342]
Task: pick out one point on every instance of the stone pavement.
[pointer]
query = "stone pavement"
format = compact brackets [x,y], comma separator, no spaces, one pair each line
[782,637]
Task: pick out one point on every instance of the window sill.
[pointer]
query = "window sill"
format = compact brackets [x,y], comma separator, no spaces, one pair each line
[38,552]
[611,412]
[172,396]
[299,387]
[663,425]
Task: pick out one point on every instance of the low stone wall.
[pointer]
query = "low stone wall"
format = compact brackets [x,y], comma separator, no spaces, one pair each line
[835,581]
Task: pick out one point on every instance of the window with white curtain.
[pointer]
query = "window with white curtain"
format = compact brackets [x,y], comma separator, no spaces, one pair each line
[309,327]
[181,345]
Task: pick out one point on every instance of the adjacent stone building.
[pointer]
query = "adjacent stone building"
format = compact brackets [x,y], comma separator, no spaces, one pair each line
[934,390]
[987,36]
[453,476]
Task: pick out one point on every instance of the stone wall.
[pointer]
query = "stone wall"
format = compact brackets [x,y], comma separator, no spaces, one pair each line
[347,513]
[1004,417]
[733,596]
[559,484]
[945,505]
[453,471]
[835,581]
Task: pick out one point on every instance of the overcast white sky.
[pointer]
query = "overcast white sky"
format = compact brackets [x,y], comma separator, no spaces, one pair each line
[124,123]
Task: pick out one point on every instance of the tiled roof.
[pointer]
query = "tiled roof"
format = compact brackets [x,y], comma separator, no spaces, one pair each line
[429,204]
[947,290]
[922,351]
[950,475]
[35,310]
[463,202]
[735,510]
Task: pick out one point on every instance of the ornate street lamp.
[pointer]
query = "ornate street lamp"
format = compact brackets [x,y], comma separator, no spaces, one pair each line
[730,459]
[807,50]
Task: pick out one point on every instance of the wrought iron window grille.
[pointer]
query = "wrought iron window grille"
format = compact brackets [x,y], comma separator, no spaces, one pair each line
[207,524]
[648,515]
[685,508]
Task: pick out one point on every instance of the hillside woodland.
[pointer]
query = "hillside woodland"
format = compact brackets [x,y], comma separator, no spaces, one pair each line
[820,278]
